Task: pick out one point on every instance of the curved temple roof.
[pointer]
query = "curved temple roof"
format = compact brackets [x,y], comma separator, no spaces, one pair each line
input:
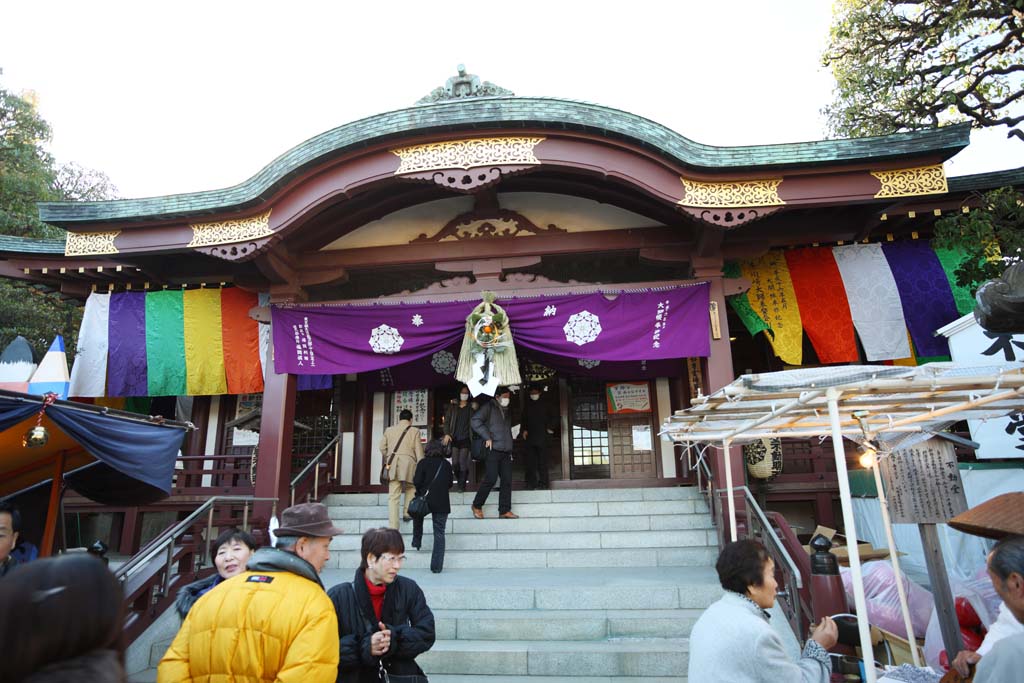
[493,113]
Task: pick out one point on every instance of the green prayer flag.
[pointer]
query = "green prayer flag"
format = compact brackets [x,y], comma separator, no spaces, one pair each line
[740,304]
[165,343]
[963,297]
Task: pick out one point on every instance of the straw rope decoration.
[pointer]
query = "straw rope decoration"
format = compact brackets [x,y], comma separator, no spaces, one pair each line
[488,345]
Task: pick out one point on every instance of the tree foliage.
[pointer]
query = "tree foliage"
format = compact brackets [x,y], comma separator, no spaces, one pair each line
[29,174]
[991,237]
[904,65]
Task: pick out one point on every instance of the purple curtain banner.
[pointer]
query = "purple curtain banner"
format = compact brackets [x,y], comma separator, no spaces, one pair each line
[126,368]
[646,325]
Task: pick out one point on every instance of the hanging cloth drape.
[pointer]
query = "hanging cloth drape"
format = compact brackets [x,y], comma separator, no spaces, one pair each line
[633,325]
[924,291]
[963,296]
[874,300]
[126,376]
[740,304]
[772,297]
[89,372]
[822,300]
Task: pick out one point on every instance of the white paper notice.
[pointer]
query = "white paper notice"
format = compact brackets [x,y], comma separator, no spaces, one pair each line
[641,437]
[515,431]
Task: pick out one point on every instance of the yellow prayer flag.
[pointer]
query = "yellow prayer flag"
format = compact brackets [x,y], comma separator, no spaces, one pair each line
[204,343]
[771,294]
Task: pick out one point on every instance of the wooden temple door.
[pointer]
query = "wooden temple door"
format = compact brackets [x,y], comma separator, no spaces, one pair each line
[629,462]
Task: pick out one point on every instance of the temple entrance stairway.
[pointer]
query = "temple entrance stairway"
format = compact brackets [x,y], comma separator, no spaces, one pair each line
[588,585]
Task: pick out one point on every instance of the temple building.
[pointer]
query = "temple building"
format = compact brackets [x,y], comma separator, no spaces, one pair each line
[301,309]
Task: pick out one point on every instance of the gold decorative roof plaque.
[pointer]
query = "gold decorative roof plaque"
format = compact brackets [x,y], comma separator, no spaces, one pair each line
[467,154]
[736,193]
[90,243]
[227,232]
[909,182]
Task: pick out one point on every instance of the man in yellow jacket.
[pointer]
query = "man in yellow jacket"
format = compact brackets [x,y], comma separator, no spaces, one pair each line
[273,622]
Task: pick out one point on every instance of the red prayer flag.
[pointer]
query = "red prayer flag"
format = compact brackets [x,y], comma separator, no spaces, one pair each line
[241,342]
[823,307]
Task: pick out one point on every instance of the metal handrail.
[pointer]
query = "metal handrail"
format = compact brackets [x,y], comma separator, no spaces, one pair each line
[164,543]
[767,526]
[314,462]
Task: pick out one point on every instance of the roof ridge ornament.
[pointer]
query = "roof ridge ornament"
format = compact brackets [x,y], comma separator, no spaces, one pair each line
[463,86]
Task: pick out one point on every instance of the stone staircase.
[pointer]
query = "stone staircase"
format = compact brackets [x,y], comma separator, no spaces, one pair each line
[588,585]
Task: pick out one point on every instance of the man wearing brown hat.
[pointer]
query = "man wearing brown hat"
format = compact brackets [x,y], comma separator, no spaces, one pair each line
[272,622]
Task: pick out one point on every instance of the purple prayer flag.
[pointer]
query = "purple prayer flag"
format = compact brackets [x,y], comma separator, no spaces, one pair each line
[126,354]
[927,299]
[650,325]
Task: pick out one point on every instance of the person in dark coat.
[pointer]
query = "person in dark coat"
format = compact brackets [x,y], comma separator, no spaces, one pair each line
[10,526]
[536,423]
[231,552]
[457,433]
[62,622]
[433,480]
[383,618]
[493,422]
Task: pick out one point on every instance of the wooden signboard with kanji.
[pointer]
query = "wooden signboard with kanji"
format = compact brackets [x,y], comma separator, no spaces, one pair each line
[923,483]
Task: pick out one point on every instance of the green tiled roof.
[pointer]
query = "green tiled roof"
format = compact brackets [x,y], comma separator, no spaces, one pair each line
[489,113]
[30,245]
[987,181]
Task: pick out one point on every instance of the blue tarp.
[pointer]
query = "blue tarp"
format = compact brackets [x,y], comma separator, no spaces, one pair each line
[136,458]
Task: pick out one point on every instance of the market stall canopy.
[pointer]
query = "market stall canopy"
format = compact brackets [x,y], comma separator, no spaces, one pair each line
[112,457]
[893,401]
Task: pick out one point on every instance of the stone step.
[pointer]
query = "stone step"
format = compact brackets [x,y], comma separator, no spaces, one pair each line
[471,525]
[542,496]
[610,658]
[456,678]
[533,510]
[559,589]
[563,624]
[680,538]
[701,556]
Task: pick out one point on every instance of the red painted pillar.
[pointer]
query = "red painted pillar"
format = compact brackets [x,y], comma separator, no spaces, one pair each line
[718,372]
[362,438]
[274,458]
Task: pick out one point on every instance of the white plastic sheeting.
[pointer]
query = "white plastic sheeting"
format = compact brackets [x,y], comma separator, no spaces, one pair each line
[964,554]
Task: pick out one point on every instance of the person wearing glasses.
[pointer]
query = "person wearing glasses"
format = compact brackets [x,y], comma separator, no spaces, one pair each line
[384,622]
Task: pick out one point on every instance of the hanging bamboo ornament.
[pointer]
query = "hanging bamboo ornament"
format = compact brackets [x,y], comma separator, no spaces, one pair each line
[488,357]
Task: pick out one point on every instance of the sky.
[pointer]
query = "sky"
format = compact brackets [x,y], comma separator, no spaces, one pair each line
[188,96]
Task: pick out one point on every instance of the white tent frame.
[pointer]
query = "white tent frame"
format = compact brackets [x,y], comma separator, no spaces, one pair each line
[857,402]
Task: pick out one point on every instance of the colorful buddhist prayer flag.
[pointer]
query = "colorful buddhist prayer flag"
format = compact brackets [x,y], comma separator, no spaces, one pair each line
[165,343]
[17,363]
[126,375]
[924,291]
[824,312]
[874,300]
[772,297]
[89,373]
[170,343]
[950,261]
[52,374]
[740,304]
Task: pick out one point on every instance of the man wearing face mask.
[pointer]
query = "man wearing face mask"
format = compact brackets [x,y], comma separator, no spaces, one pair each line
[457,416]
[493,422]
[535,434]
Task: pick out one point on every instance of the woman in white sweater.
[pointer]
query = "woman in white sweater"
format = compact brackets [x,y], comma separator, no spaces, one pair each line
[733,642]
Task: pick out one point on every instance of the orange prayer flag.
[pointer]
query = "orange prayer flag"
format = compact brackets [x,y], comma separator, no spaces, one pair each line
[241,342]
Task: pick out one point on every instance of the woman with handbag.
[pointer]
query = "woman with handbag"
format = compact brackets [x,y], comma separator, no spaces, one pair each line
[433,480]
[401,449]
[384,622]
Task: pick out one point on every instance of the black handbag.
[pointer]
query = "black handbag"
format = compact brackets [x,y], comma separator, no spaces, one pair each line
[478,449]
[384,478]
[418,506]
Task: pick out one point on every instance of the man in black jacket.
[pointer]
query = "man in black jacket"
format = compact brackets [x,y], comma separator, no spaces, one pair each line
[493,422]
[535,434]
[383,618]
